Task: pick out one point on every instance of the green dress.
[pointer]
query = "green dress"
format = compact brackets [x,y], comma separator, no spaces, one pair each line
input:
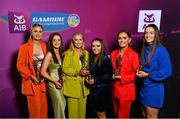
[57,97]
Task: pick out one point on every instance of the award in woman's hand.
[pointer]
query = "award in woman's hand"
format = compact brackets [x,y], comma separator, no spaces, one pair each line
[117,72]
[60,75]
[118,64]
[84,69]
[140,68]
[82,59]
[90,79]
[37,70]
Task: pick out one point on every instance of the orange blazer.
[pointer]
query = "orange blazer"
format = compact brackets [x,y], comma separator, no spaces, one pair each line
[25,67]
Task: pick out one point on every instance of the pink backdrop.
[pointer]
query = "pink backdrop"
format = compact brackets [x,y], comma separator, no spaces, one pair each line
[98,19]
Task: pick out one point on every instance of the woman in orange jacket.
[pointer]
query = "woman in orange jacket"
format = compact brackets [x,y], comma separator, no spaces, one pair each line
[29,62]
[125,62]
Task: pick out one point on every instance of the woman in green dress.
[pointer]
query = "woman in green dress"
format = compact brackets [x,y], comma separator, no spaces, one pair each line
[52,71]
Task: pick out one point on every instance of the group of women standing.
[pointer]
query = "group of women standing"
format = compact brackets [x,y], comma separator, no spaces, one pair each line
[77,78]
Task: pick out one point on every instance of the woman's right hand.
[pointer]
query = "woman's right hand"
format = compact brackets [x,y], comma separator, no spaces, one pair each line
[116,77]
[58,84]
[84,72]
[34,79]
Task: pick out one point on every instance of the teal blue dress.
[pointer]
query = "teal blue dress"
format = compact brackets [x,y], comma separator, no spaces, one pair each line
[57,97]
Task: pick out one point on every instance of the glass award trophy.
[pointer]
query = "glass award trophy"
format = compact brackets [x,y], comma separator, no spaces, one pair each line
[118,63]
[60,75]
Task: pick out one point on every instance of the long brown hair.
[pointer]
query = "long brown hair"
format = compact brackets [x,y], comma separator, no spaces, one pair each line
[51,47]
[154,44]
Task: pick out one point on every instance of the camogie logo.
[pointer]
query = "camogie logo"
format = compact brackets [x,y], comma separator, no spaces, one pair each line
[73,20]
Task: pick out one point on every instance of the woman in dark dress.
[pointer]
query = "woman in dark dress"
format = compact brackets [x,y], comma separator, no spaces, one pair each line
[99,101]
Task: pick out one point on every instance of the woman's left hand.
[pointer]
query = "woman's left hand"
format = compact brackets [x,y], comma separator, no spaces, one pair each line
[90,80]
[64,77]
[142,74]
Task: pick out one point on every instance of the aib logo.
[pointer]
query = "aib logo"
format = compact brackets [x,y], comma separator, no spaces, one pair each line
[148,17]
[18,22]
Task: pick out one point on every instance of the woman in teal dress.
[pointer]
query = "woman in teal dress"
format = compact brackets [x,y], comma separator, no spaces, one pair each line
[51,70]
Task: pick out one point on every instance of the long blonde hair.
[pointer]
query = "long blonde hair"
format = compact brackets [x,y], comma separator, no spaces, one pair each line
[32,27]
[72,47]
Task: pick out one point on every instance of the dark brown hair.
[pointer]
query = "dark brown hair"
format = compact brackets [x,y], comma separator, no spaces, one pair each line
[128,34]
[100,56]
[155,42]
[51,47]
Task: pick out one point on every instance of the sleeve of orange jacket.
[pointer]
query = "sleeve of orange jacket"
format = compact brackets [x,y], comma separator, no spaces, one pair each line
[22,62]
